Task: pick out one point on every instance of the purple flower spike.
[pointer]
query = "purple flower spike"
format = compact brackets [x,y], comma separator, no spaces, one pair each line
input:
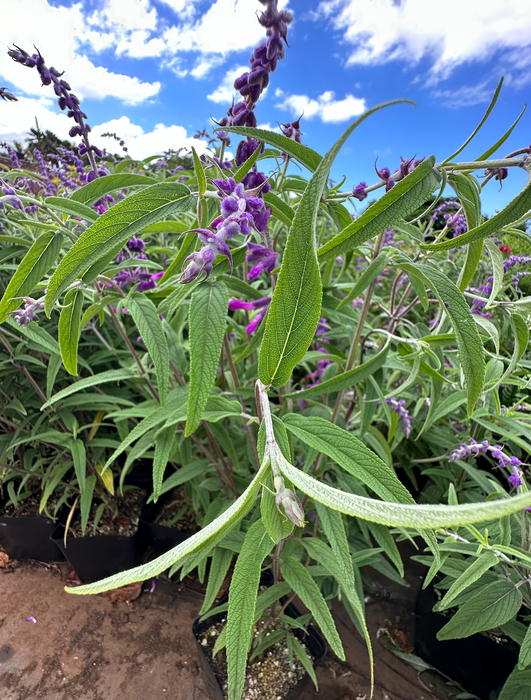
[28,314]
[6,95]
[515,478]
[399,407]
[255,323]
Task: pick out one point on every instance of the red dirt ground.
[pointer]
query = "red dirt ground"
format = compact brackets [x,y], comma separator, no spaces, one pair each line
[91,648]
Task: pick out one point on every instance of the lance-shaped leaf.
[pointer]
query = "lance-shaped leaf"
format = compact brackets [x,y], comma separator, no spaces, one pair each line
[350,453]
[207,319]
[219,568]
[37,335]
[305,587]
[103,185]
[466,333]
[296,303]
[69,329]
[32,268]
[163,446]
[77,448]
[199,173]
[242,602]
[471,574]
[345,380]
[515,210]
[71,207]
[207,537]
[496,259]
[403,515]
[99,243]
[146,318]
[370,274]
[111,375]
[491,607]
[403,199]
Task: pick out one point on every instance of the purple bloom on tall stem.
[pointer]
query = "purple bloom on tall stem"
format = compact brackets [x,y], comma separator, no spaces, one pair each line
[266,259]
[28,314]
[360,191]
[262,304]
[399,407]
[515,479]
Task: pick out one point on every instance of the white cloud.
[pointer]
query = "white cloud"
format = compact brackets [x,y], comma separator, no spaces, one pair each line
[58,31]
[140,144]
[17,118]
[464,96]
[325,107]
[452,32]
[225,92]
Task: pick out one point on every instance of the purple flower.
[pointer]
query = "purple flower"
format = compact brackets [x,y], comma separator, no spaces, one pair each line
[266,259]
[515,479]
[399,407]
[235,304]
[6,95]
[360,191]
[31,619]
[28,314]
[292,130]
[255,323]
[245,150]
[135,245]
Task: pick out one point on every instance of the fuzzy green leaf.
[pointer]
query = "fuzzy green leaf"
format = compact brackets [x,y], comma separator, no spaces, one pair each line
[71,207]
[370,274]
[404,198]
[242,602]
[111,375]
[32,268]
[208,313]
[199,173]
[96,246]
[475,571]
[517,686]
[69,329]
[163,446]
[305,587]
[146,318]
[103,185]
[491,607]
[221,561]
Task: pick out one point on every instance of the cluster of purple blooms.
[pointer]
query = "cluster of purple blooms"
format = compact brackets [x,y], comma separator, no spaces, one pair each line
[474,449]
[241,212]
[141,276]
[386,178]
[258,304]
[399,406]
[508,264]
[266,259]
[66,100]
[26,315]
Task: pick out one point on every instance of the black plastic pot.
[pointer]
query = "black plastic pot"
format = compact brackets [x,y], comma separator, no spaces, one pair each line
[479,663]
[28,537]
[313,640]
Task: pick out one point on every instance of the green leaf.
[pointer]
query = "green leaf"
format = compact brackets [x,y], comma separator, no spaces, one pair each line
[370,274]
[483,120]
[491,607]
[163,446]
[242,602]
[296,304]
[524,657]
[77,448]
[32,268]
[69,329]
[306,156]
[517,686]
[245,167]
[345,380]
[305,660]
[207,537]
[101,241]
[475,571]
[468,339]
[305,587]
[199,173]
[487,154]
[69,206]
[103,185]
[403,514]
[85,501]
[207,318]
[515,210]
[276,524]
[281,210]
[111,375]
[496,259]
[37,335]
[349,453]
[221,561]
[403,199]
[146,318]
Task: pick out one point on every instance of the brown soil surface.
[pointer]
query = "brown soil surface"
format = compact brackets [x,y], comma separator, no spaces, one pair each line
[94,648]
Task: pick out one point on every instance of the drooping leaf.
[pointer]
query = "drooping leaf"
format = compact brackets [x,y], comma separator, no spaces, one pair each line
[85,501]
[221,561]
[491,607]
[146,318]
[404,514]
[482,564]
[32,268]
[207,537]
[403,199]
[207,318]
[496,259]
[70,206]
[199,173]
[242,602]
[37,335]
[69,329]
[276,524]
[96,246]
[305,587]
[163,446]
[111,375]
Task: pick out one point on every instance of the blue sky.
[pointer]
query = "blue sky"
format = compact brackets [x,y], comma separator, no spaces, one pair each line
[155,71]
